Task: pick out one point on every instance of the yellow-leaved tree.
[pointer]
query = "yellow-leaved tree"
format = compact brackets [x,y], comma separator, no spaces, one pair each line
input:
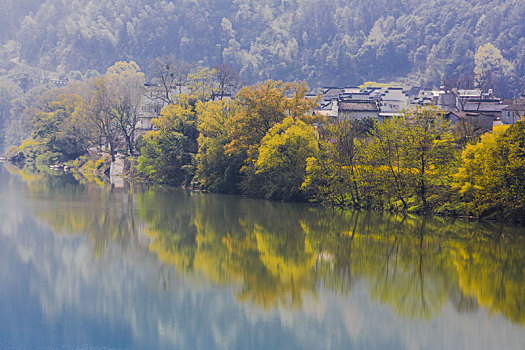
[260,107]
[491,178]
[282,158]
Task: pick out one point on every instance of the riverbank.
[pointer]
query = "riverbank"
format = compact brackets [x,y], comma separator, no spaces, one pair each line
[100,171]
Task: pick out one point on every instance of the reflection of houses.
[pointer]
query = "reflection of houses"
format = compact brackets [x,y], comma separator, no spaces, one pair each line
[358,103]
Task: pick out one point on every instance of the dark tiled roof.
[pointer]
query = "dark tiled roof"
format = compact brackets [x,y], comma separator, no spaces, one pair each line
[465,115]
[483,106]
[516,107]
[331,93]
[358,106]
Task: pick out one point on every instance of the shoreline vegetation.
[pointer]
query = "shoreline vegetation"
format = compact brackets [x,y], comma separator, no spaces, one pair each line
[267,143]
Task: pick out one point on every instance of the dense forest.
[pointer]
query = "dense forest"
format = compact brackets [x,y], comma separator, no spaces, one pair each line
[322,42]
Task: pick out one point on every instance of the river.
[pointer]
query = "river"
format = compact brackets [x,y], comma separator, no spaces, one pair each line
[91,266]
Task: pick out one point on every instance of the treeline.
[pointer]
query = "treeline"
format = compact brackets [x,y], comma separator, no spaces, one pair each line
[84,117]
[323,42]
[267,143]
[103,114]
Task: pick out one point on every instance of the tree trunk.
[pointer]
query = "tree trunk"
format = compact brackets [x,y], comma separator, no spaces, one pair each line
[130,144]
[112,150]
[422,183]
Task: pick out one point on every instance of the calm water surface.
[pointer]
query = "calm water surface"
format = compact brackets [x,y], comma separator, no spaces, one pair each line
[84,266]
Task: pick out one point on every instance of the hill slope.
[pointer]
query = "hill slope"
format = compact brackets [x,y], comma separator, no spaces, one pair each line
[327,42]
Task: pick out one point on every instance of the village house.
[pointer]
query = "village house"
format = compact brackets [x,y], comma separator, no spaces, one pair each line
[152,102]
[357,109]
[479,121]
[480,109]
[359,103]
[392,100]
[514,111]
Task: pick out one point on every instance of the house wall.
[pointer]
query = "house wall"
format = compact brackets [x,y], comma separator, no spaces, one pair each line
[511,117]
[358,114]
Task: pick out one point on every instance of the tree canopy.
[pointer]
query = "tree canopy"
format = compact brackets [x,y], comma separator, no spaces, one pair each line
[325,42]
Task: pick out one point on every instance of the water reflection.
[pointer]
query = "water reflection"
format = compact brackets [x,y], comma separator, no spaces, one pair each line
[276,255]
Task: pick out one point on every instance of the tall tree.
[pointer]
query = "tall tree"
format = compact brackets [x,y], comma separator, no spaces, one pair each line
[429,148]
[260,107]
[126,87]
[171,75]
[101,113]
[228,80]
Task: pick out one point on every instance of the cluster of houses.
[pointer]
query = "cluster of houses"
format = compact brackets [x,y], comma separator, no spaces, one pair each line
[358,103]
[481,109]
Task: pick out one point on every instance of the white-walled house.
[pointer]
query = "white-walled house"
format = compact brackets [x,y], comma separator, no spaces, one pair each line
[513,112]
[356,102]
[152,102]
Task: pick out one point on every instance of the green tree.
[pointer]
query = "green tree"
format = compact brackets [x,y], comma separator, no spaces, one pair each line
[335,172]
[216,170]
[429,150]
[63,129]
[168,153]
[386,153]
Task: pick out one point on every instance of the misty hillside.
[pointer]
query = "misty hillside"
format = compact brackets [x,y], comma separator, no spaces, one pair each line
[325,42]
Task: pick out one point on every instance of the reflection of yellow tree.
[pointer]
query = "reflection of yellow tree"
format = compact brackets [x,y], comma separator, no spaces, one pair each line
[276,253]
[280,268]
[271,265]
[493,272]
[414,263]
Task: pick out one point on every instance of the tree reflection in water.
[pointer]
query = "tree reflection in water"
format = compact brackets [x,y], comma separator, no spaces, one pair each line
[272,254]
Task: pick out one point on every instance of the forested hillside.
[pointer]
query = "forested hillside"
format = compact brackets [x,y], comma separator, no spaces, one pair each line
[324,42]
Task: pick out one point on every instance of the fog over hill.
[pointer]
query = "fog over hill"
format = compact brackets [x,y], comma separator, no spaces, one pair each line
[325,42]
